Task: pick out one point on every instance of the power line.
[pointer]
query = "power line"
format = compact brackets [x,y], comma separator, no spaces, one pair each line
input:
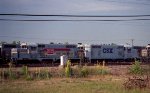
[138,17]
[71,20]
[55,20]
[50,15]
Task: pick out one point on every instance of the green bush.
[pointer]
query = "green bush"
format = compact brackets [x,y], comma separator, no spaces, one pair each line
[136,68]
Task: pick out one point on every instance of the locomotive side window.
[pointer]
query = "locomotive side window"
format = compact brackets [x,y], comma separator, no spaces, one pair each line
[33,48]
[70,46]
[41,46]
[24,46]
[9,46]
[96,46]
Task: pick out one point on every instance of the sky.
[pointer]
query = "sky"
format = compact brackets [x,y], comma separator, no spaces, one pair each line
[89,32]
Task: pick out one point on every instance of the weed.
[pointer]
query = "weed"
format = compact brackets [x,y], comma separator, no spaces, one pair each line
[5,74]
[25,73]
[79,71]
[44,74]
[24,70]
[29,77]
[68,69]
[9,73]
[84,72]
[136,68]
[60,73]
[101,70]
[41,74]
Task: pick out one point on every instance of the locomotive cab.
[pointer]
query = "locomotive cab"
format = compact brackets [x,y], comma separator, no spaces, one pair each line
[131,54]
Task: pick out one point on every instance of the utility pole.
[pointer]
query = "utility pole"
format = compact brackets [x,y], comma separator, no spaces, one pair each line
[132,40]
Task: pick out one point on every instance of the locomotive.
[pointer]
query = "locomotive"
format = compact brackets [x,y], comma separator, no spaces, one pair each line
[5,52]
[75,52]
[110,52]
[45,52]
[145,53]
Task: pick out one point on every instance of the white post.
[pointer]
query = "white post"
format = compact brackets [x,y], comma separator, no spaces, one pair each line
[63,60]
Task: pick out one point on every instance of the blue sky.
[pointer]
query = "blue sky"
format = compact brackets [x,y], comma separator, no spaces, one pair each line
[120,32]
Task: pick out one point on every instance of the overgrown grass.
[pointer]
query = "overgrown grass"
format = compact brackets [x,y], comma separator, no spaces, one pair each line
[46,73]
[43,74]
[9,73]
[66,86]
[24,71]
[86,71]
[37,81]
[101,70]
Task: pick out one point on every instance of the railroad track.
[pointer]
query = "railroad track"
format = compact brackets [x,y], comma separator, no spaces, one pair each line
[53,64]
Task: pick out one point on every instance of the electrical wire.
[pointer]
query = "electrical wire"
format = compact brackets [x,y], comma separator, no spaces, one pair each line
[19,14]
[70,20]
